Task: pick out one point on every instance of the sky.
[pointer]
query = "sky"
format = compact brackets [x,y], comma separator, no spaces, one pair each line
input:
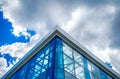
[93,23]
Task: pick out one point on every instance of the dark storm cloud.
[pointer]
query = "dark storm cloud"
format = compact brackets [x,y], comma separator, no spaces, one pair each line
[91,3]
[32,12]
[0,7]
[115,31]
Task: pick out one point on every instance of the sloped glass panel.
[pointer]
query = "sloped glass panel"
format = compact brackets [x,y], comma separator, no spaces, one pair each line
[103,75]
[68,64]
[79,70]
[44,63]
[109,77]
[78,58]
[94,71]
[67,50]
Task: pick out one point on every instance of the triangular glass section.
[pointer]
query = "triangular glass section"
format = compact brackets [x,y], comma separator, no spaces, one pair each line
[46,64]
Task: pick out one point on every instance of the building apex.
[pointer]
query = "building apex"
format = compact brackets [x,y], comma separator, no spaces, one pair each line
[57,31]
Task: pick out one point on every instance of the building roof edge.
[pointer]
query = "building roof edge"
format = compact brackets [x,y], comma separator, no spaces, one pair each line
[65,36]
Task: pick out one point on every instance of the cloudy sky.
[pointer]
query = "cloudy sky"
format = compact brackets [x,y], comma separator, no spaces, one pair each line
[93,23]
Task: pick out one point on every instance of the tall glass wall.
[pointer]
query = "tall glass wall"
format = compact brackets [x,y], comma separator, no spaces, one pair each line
[57,60]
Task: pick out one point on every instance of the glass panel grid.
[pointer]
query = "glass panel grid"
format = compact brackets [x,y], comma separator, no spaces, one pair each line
[79,66]
[57,60]
[73,63]
[38,66]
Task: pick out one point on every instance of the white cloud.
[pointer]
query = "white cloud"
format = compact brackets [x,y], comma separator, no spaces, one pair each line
[3,65]
[15,49]
[115,59]
[102,53]
[19,49]
[77,16]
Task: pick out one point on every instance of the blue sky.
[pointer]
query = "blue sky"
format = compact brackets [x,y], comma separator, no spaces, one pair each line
[7,38]
[93,23]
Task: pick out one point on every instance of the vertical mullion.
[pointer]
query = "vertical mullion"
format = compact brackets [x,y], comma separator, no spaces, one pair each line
[86,72]
[59,70]
[73,62]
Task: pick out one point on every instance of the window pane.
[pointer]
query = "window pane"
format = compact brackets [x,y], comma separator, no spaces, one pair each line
[67,50]
[103,75]
[78,58]
[68,64]
[94,71]
[79,70]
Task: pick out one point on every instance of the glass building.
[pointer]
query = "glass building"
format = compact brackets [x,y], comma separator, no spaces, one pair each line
[59,56]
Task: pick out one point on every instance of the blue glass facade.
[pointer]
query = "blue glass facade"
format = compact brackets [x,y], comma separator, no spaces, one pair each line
[57,60]
[77,66]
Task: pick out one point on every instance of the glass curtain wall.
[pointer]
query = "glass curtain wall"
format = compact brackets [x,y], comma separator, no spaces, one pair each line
[57,60]
[46,64]
[73,63]
[77,66]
